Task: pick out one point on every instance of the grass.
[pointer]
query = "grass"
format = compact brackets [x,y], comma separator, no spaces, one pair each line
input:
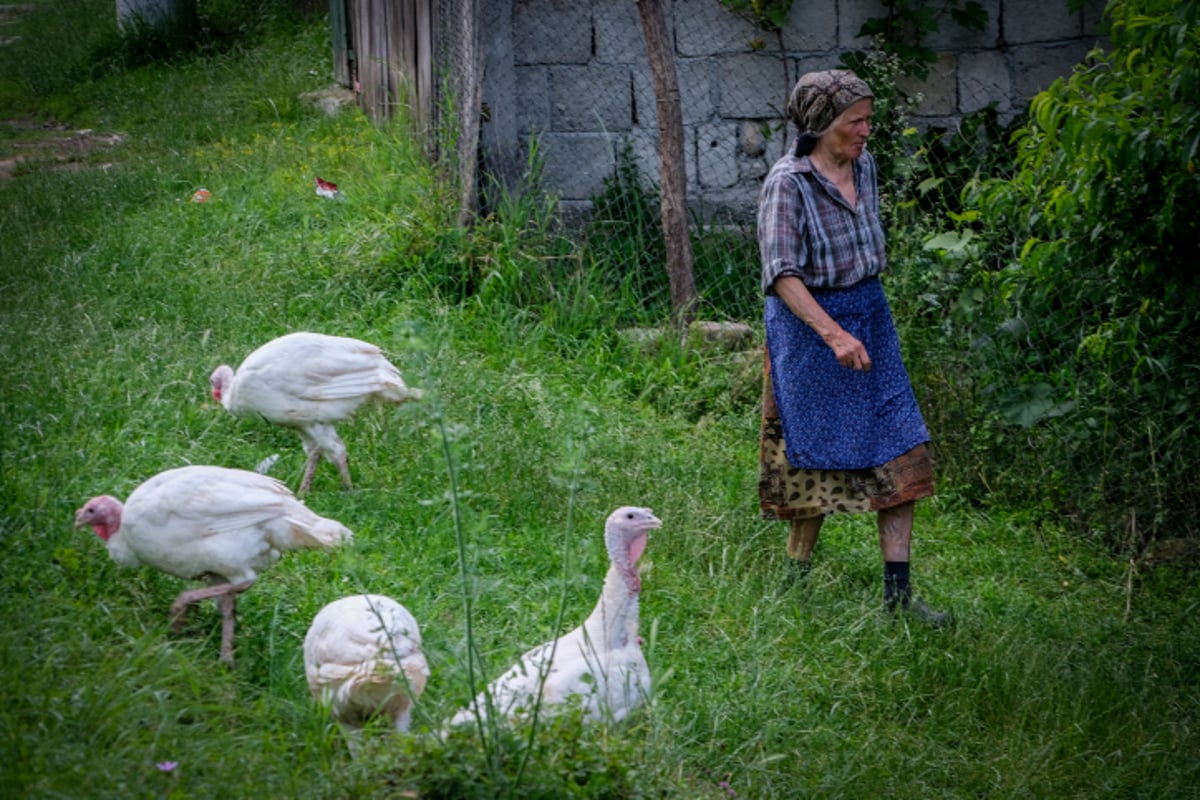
[1066,675]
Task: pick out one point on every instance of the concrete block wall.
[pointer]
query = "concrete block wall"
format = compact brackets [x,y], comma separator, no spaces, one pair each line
[573,75]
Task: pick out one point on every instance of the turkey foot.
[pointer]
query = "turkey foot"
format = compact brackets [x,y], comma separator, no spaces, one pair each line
[343,465]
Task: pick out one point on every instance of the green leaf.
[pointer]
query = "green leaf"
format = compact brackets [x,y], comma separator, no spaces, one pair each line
[929,184]
[1029,405]
[951,241]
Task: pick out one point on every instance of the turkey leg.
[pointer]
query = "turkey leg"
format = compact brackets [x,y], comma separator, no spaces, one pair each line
[343,465]
[227,603]
[341,461]
[192,596]
[322,439]
[310,469]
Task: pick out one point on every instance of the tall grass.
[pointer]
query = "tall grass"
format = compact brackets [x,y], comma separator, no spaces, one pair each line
[1067,674]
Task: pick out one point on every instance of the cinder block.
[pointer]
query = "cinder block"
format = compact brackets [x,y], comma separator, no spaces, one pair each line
[983,78]
[697,88]
[1036,66]
[697,92]
[708,27]
[645,103]
[592,98]
[752,86]
[716,155]
[1027,21]
[552,31]
[952,36]
[576,164]
[533,99]
[778,138]
[644,147]
[810,26]
[619,37]
[852,15]
[808,62]
[939,90]
[645,152]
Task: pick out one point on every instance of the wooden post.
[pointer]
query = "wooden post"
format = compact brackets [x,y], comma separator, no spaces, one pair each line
[673,194]
[469,106]
[340,36]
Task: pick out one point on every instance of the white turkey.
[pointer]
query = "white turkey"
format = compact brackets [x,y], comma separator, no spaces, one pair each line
[208,523]
[600,664]
[309,382]
[363,659]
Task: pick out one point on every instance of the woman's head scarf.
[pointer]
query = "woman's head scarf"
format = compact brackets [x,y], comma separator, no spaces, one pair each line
[819,98]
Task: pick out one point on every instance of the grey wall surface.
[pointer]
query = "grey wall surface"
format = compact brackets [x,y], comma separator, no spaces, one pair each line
[573,75]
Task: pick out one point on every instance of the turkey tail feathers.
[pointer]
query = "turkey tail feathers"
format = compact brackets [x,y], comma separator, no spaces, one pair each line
[314,534]
[395,391]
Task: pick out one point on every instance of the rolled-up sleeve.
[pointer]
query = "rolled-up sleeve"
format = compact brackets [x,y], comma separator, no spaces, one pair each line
[781,241]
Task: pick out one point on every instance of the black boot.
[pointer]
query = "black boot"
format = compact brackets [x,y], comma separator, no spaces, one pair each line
[797,572]
[921,611]
[897,596]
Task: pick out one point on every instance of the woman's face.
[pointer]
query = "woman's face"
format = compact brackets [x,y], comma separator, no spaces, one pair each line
[848,134]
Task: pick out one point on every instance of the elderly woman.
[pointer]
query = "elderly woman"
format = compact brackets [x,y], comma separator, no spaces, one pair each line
[841,429]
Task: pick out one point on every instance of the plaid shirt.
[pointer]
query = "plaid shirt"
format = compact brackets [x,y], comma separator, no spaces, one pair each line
[806,228]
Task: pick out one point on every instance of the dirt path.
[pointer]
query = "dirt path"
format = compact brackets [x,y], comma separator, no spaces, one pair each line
[52,146]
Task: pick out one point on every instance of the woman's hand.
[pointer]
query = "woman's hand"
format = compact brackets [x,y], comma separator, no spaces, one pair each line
[849,351]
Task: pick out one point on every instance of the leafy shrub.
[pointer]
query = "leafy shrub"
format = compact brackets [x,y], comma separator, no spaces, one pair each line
[1083,313]
[564,758]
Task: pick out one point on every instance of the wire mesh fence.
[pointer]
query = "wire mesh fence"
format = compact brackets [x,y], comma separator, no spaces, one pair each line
[570,83]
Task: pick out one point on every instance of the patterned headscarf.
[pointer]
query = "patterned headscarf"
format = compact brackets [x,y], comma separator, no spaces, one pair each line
[819,97]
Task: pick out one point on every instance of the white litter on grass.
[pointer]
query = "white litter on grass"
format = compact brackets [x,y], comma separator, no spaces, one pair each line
[264,466]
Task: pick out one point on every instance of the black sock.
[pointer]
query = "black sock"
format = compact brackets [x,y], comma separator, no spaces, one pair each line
[895,585]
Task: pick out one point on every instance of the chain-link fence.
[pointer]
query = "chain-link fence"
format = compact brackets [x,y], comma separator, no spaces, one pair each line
[498,85]
[570,82]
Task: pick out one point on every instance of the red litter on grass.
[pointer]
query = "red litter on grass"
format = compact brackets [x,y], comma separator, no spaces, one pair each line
[201,196]
[327,189]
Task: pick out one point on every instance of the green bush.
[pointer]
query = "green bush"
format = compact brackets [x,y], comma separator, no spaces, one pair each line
[563,758]
[1082,315]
